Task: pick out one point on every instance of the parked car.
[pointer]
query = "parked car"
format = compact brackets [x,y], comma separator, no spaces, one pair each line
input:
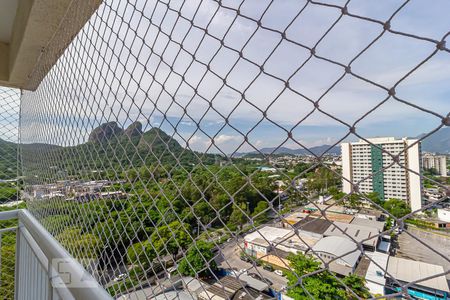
[279,272]
[120,277]
[268,268]
[269,282]
[245,258]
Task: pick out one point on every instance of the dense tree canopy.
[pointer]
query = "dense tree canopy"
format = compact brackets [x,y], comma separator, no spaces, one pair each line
[398,208]
[199,260]
[321,285]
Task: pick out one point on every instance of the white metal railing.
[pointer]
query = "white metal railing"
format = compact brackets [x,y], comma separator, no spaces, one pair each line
[43,268]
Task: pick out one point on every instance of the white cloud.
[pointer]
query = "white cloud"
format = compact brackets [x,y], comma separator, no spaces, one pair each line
[107,85]
[224,138]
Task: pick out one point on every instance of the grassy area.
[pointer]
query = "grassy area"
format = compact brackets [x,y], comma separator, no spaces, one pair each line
[425,225]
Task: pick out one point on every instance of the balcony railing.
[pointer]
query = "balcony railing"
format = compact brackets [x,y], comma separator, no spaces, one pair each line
[42,268]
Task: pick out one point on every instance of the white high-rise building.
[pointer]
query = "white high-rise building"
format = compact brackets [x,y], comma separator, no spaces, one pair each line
[436,162]
[365,161]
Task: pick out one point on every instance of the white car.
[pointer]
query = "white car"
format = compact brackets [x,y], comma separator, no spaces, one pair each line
[279,272]
[120,277]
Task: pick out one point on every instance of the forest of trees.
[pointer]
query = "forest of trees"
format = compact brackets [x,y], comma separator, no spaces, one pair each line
[322,285]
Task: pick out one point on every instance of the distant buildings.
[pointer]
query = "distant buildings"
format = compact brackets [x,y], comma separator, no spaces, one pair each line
[363,164]
[273,245]
[435,162]
[76,190]
[356,246]
[306,231]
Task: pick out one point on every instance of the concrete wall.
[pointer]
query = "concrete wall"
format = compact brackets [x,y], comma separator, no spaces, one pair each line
[41,32]
[346,167]
[414,181]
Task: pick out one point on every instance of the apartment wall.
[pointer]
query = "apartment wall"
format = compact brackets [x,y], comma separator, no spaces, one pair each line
[414,180]
[396,181]
[346,167]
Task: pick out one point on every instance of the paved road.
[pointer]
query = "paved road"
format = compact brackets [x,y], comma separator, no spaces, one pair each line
[412,249]
[230,258]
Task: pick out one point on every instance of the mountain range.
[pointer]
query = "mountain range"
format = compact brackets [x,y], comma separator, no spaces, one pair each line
[111,147]
[317,150]
[438,142]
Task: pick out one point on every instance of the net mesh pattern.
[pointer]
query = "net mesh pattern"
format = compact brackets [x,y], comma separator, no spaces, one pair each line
[133,147]
[9,186]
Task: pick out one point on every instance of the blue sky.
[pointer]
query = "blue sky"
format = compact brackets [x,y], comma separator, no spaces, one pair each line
[136,70]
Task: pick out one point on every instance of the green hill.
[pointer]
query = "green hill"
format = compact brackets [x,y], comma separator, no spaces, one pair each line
[8,160]
[110,147]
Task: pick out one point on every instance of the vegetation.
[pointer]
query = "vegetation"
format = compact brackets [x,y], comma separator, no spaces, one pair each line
[8,192]
[396,207]
[148,224]
[322,285]
[199,260]
[321,180]
[81,245]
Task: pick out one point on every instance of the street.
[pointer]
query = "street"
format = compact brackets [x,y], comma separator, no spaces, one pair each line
[230,258]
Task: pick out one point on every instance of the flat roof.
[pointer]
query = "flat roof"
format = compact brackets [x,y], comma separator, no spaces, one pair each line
[368,223]
[295,217]
[267,234]
[339,246]
[253,282]
[356,232]
[315,225]
[260,242]
[333,216]
[372,212]
[301,240]
[284,239]
[174,295]
[373,271]
[381,140]
[407,270]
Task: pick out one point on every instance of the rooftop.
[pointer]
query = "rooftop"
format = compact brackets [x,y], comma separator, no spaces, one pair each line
[373,271]
[371,212]
[314,225]
[339,246]
[284,239]
[368,223]
[252,282]
[174,295]
[333,216]
[367,235]
[407,270]
[268,234]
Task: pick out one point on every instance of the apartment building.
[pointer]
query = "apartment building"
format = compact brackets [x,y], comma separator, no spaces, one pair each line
[368,164]
[436,162]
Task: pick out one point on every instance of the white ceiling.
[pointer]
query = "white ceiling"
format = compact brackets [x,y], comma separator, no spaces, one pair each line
[8,10]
